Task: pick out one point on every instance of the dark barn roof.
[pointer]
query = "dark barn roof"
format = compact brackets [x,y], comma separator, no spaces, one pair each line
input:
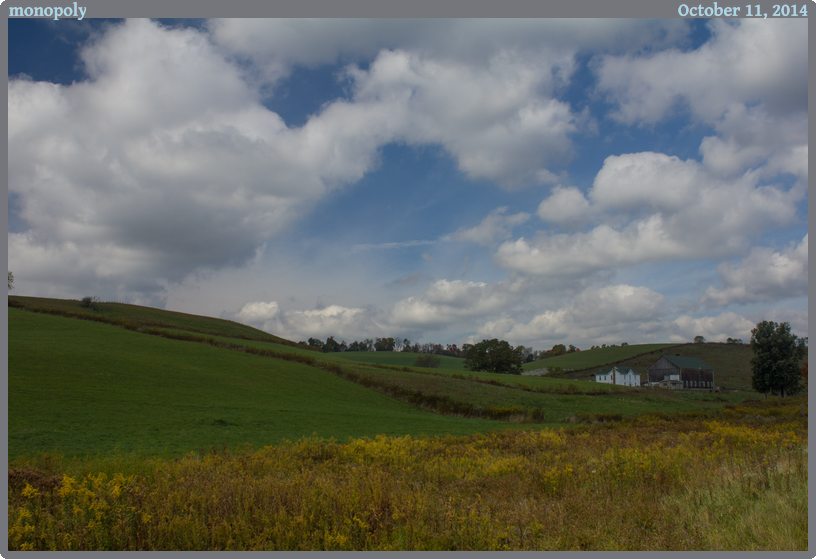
[688,362]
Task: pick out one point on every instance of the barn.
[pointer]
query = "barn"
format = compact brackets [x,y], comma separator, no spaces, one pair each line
[625,376]
[691,372]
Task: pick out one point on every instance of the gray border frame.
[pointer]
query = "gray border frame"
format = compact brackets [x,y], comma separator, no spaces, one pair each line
[346,9]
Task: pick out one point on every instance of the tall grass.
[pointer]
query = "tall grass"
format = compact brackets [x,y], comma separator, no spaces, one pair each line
[646,483]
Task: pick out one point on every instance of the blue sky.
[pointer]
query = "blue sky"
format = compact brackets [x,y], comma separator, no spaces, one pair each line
[541,181]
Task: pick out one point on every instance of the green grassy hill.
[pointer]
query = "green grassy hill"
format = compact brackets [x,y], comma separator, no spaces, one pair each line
[146,317]
[597,357]
[81,386]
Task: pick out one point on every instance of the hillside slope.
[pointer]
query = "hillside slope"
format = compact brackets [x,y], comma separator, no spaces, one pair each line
[145,317]
[81,387]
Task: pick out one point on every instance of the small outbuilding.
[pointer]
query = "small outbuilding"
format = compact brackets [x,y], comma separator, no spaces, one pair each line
[689,372]
[625,376]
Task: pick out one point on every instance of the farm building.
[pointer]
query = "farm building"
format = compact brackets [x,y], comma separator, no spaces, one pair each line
[625,376]
[681,372]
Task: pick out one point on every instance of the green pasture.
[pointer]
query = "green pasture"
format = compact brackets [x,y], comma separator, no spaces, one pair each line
[557,407]
[597,357]
[81,388]
[400,359]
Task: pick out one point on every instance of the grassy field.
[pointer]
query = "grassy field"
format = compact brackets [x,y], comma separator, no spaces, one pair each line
[734,480]
[595,357]
[80,387]
[120,438]
[555,402]
[400,359]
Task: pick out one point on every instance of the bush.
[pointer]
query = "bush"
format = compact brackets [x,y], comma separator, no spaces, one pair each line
[89,302]
[430,361]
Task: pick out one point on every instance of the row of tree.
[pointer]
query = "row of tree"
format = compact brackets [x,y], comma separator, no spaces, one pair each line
[451,350]
[387,344]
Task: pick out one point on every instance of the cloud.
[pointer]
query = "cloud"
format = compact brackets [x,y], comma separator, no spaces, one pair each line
[764,275]
[164,162]
[401,244]
[495,226]
[798,319]
[595,314]
[713,328]
[659,208]
[446,302]
[334,320]
[753,61]
[757,103]
[275,46]
[494,120]
[158,165]
[259,312]
[614,314]
[411,279]
[565,206]
[749,137]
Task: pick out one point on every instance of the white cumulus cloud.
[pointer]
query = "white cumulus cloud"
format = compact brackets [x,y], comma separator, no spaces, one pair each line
[763,275]
[749,60]
[446,302]
[259,312]
[659,208]
[496,226]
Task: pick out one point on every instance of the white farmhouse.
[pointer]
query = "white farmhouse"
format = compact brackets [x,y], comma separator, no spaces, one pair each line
[625,376]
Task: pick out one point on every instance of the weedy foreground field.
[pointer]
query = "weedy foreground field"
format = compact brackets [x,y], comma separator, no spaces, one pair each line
[736,481]
[103,418]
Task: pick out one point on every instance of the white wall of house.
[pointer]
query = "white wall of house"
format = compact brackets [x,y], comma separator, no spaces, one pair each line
[623,377]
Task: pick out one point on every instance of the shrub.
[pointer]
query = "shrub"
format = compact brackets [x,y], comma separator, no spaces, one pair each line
[89,302]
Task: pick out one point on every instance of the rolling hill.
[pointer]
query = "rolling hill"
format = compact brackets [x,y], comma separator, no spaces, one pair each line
[92,381]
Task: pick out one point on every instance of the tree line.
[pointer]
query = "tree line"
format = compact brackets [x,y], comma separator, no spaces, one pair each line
[404,345]
[388,344]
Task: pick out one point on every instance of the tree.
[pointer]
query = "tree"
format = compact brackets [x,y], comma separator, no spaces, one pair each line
[90,302]
[526,352]
[494,356]
[733,341]
[314,342]
[776,365]
[384,344]
[699,340]
[558,349]
[11,280]
[331,345]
